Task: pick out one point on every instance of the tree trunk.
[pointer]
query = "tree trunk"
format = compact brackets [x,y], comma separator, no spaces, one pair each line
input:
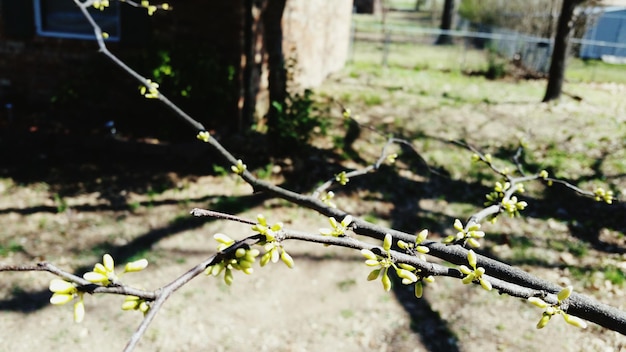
[277,74]
[446,23]
[559,52]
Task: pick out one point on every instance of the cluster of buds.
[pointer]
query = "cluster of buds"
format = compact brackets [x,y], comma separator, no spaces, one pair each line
[511,206]
[102,274]
[475,274]
[153,8]
[408,273]
[327,199]
[136,303]
[63,292]
[243,259]
[418,250]
[468,236]
[342,178]
[337,229]
[487,158]
[150,90]
[274,250]
[551,310]
[602,195]
[204,136]
[239,167]
[101,4]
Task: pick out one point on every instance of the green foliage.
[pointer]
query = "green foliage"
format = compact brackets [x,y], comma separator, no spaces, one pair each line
[615,275]
[296,121]
[496,65]
[61,203]
[11,247]
[479,11]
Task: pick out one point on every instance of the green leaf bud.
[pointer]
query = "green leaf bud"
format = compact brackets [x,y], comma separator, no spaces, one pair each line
[419,289]
[564,293]
[228,277]
[373,275]
[469,278]
[545,318]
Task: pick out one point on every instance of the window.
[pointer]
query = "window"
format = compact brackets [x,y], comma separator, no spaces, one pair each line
[62,18]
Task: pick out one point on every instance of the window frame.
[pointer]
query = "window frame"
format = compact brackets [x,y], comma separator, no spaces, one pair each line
[40,29]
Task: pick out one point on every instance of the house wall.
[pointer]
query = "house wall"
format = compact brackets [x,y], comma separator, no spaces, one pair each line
[610,27]
[36,70]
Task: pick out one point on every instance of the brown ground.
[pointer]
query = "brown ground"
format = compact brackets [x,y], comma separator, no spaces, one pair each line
[324,303]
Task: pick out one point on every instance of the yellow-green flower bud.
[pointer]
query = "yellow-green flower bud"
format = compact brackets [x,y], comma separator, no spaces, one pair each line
[61,298]
[204,136]
[406,266]
[545,318]
[62,286]
[79,311]
[458,225]
[95,277]
[386,282]
[472,242]
[421,236]
[564,293]
[240,252]
[369,254]
[221,238]
[228,277]
[465,270]
[471,258]
[405,274]
[469,278]
[485,284]
[537,302]
[137,265]
[372,262]
[286,258]
[419,289]
[130,303]
[575,321]
[387,243]
[144,307]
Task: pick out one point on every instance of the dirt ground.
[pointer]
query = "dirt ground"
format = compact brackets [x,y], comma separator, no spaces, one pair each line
[71,214]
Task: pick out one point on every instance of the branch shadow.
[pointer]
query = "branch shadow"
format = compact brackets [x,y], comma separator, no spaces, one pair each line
[29,301]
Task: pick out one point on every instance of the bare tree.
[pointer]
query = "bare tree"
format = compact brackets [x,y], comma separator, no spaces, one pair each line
[446,23]
[559,52]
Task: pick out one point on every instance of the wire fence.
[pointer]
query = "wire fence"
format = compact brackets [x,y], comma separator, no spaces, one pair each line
[532,52]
